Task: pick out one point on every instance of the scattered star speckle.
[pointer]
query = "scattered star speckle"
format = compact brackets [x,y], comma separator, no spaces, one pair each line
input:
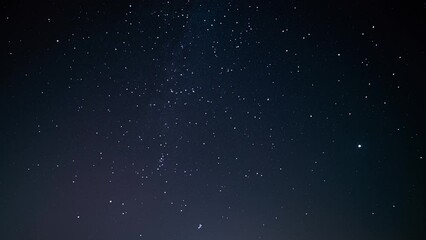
[194,119]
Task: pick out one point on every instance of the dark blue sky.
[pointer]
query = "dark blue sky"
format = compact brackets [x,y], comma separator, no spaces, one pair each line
[213,120]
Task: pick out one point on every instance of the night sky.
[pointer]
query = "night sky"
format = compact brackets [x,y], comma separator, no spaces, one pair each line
[212,120]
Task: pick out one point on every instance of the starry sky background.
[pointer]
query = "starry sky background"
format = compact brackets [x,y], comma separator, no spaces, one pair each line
[230,120]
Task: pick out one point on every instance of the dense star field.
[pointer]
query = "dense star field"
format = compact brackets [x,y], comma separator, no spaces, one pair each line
[212,120]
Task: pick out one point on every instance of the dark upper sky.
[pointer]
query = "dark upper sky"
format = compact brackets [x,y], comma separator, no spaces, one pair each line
[212,120]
